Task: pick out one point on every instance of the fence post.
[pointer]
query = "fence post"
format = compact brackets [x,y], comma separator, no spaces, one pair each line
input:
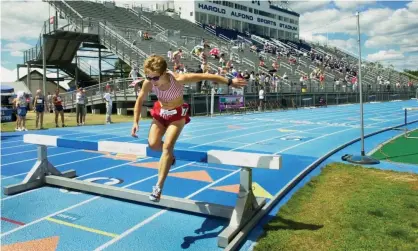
[212,101]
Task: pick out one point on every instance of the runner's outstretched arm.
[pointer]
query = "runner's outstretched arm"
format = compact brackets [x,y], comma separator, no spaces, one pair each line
[197,77]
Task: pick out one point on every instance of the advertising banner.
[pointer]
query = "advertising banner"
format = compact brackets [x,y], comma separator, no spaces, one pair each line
[230,102]
[7,114]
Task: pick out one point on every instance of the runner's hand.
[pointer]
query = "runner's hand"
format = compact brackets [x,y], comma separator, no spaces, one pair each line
[135,129]
[239,82]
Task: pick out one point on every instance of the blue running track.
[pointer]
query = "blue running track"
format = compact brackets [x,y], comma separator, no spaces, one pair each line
[51,218]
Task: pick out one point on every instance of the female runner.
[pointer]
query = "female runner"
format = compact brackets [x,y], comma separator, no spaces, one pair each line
[169,113]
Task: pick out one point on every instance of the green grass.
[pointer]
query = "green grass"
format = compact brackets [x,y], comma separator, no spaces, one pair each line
[401,149]
[348,207]
[69,120]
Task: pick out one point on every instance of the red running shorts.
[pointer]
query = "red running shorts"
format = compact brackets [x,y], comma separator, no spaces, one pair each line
[166,117]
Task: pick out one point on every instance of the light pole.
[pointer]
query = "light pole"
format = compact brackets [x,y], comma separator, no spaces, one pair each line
[361,85]
[362,159]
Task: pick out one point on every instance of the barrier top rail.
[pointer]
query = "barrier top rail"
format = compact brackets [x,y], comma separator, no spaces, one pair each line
[246,209]
[245,159]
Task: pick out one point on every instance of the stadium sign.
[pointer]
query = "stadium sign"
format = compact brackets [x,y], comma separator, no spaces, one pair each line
[289,27]
[211,8]
[244,16]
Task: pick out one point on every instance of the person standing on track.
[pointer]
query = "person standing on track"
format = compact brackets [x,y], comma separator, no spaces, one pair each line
[80,98]
[58,108]
[21,103]
[170,112]
[39,106]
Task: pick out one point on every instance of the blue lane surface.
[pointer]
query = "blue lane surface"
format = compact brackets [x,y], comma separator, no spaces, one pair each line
[300,136]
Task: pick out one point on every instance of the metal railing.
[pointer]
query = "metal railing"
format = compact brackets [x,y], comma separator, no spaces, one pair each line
[200,102]
[121,47]
[36,52]
[83,65]
[111,37]
[123,90]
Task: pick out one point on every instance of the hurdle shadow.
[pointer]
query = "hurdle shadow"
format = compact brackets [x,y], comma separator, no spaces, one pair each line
[205,231]
[287,224]
[281,224]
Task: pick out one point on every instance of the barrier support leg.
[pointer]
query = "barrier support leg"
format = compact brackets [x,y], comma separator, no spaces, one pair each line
[36,176]
[246,207]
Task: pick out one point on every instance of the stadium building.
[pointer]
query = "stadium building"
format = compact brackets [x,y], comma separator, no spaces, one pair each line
[255,17]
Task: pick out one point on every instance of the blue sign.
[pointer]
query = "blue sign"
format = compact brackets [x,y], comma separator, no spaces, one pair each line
[245,16]
[7,89]
[7,114]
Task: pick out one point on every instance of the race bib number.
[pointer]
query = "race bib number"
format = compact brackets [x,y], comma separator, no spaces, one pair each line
[167,113]
[184,111]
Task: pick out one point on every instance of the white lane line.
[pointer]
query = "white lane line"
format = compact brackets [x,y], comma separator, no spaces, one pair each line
[81,203]
[74,206]
[154,216]
[68,163]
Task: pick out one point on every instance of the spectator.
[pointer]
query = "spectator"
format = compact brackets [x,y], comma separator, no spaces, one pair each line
[170,55]
[58,108]
[49,102]
[261,63]
[322,80]
[85,106]
[261,98]
[20,104]
[134,73]
[108,99]
[80,98]
[275,66]
[39,105]
[285,76]
[176,59]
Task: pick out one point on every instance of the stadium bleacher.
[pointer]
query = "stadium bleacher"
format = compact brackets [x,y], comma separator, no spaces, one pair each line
[121,28]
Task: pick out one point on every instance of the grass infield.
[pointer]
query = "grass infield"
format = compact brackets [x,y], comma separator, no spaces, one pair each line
[348,207]
[69,120]
[401,149]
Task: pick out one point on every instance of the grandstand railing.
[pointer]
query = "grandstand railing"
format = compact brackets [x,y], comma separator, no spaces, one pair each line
[121,47]
[240,38]
[249,63]
[71,8]
[225,38]
[35,52]
[122,90]
[85,66]
[108,33]
[211,33]
[355,56]
[158,27]
[75,22]
[210,30]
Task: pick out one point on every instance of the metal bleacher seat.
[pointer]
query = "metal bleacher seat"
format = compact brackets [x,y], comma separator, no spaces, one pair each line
[98,11]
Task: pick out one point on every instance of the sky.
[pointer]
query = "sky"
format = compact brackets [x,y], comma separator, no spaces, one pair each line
[388,29]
